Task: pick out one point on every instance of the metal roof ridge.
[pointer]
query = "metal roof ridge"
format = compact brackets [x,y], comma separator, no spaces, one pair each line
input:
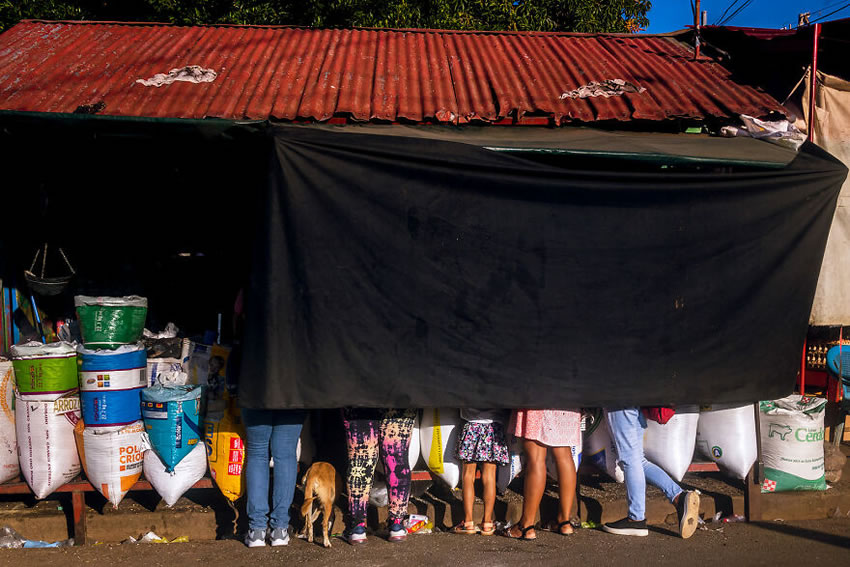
[363,28]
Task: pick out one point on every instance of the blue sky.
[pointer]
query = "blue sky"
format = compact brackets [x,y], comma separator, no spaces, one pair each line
[670,15]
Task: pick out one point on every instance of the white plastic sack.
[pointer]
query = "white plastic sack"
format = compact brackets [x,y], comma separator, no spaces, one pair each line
[166,371]
[112,460]
[792,443]
[505,474]
[171,486]
[726,434]
[438,433]
[600,451]
[414,453]
[9,468]
[671,446]
[46,449]
[379,495]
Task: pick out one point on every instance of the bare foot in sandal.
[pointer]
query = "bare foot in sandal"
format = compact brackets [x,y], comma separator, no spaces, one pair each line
[524,534]
[466,528]
[488,528]
[563,528]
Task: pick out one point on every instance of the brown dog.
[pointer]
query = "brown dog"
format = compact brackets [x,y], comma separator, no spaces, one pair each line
[323,484]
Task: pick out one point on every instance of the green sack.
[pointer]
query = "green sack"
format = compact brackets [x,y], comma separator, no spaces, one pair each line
[45,371]
[110,322]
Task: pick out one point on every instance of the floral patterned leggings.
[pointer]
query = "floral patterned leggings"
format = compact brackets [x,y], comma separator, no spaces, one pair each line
[368,433]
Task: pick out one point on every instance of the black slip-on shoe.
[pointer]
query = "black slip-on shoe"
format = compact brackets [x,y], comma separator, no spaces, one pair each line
[627,526]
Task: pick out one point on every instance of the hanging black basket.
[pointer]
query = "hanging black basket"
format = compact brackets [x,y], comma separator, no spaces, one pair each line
[41,285]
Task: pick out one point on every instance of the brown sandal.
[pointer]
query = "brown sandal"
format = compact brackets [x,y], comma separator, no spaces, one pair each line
[558,528]
[488,528]
[465,528]
[523,533]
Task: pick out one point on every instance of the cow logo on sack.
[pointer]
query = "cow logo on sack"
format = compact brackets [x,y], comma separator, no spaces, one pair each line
[716,452]
[779,429]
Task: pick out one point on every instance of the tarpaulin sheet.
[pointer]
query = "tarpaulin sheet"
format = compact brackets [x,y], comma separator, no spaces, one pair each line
[392,271]
[832,132]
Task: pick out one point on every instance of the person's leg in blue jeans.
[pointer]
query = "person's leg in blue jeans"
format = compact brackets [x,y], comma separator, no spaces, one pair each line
[275,433]
[627,427]
[284,441]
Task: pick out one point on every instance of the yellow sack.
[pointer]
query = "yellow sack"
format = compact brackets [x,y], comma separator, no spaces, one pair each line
[224,437]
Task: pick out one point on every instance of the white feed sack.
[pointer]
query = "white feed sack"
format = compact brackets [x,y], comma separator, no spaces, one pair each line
[438,433]
[112,460]
[46,449]
[726,434]
[599,449]
[671,446]
[792,436]
[171,486]
[9,468]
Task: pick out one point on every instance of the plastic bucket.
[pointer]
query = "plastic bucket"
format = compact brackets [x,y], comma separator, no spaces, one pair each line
[109,322]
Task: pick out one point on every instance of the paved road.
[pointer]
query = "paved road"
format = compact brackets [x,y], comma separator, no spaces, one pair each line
[823,542]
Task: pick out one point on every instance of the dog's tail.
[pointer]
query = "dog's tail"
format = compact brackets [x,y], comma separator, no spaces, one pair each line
[309,496]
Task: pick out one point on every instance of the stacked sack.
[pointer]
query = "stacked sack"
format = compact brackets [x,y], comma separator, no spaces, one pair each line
[178,458]
[47,408]
[224,436]
[9,468]
[112,373]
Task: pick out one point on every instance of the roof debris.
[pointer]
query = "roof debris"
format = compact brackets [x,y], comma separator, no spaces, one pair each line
[606,88]
[188,74]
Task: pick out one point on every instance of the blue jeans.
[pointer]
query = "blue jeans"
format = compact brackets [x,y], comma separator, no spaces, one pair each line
[279,431]
[627,426]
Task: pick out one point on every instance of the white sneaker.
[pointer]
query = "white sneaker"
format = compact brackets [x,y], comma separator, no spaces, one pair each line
[279,537]
[255,538]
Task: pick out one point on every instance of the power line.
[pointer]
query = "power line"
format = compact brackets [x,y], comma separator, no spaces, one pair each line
[741,8]
[717,22]
[847,5]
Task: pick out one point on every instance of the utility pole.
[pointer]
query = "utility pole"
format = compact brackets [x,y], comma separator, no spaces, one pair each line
[696,29]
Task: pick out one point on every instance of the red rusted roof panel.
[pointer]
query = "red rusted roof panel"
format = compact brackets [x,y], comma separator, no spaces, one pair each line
[360,74]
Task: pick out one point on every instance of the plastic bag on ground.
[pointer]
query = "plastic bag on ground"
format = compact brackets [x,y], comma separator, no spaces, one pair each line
[172,485]
[224,437]
[109,322]
[600,451]
[9,468]
[112,460]
[45,372]
[438,437]
[726,434]
[792,437]
[671,446]
[46,448]
[172,421]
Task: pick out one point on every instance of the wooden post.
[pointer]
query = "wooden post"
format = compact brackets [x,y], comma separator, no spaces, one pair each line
[78,504]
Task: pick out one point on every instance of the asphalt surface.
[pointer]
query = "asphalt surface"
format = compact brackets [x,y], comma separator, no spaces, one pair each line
[822,542]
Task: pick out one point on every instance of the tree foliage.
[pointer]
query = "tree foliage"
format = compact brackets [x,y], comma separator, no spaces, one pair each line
[594,16]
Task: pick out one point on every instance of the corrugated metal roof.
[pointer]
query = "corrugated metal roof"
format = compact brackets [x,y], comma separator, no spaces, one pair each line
[360,74]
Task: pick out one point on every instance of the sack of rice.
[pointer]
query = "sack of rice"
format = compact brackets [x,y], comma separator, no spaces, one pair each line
[671,446]
[9,468]
[438,433]
[109,322]
[112,459]
[46,448]
[792,437]
[600,451]
[726,434]
[45,371]
[172,485]
[172,421]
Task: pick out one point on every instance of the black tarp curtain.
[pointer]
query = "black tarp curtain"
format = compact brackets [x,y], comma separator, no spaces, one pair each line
[393,271]
[409,270]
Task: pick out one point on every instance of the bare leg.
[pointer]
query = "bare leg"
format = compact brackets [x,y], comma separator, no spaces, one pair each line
[566,484]
[535,484]
[488,479]
[468,491]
